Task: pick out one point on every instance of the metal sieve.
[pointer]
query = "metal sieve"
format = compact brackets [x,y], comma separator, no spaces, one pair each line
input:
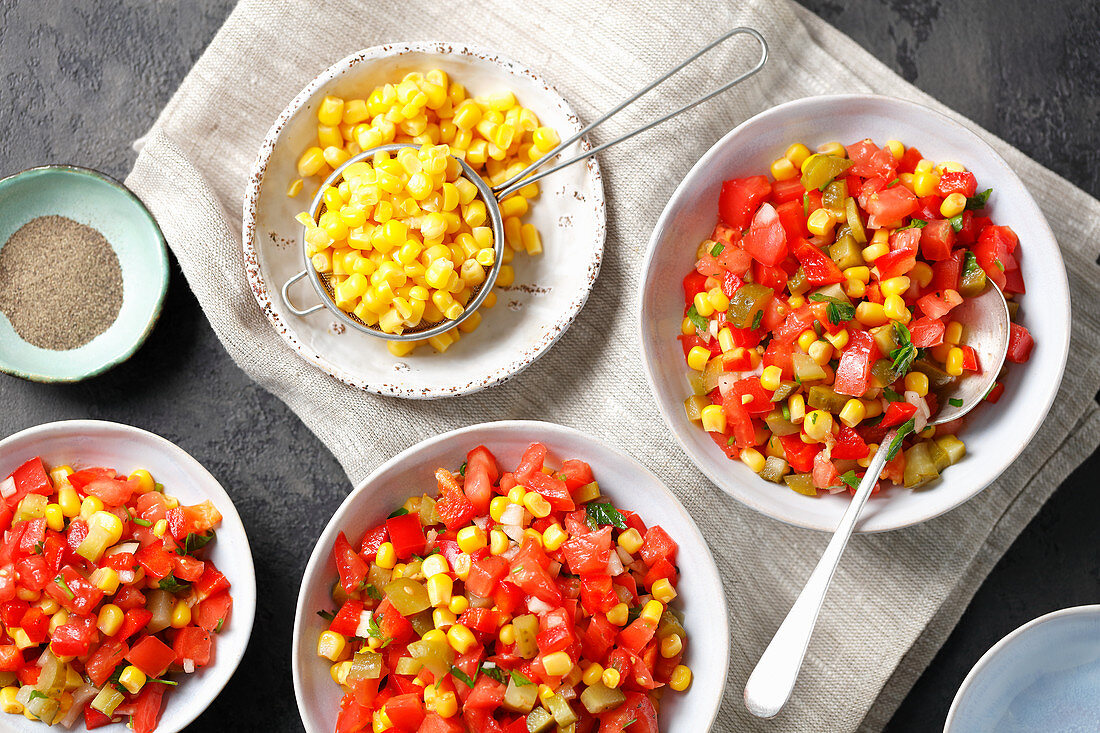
[493,195]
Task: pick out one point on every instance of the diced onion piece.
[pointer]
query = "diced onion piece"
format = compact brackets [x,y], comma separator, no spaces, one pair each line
[512,515]
[534,605]
[188,665]
[614,565]
[122,547]
[920,419]
[363,629]
[7,487]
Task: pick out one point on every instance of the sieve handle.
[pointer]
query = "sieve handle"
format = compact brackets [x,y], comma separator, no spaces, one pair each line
[524,177]
[286,297]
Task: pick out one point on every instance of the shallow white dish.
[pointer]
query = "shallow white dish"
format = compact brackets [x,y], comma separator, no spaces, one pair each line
[994,434]
[84,443]
[1044,676]
[530,315]
[631,486]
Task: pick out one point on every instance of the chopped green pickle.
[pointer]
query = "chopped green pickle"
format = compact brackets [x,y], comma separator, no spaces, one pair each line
[521,698]
[819,170]
[803,483]
[407,596]
[599,699]
[750,299]
[835,196]
[775,469]
[539,720]
[846,252]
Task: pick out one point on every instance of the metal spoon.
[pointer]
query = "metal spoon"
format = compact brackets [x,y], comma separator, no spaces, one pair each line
[493,195]
[771,682]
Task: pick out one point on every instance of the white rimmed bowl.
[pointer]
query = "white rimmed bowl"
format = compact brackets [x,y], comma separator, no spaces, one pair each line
[83,443]
[994,434]
[1045,676]
[530,315]
[623,479]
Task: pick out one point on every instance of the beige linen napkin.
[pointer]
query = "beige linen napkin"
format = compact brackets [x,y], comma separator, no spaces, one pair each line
[896,596]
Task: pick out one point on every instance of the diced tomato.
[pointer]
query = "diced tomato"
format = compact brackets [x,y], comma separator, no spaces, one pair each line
[576,473]
[939,303]
[94,719]
[147,708]
[11,658]
[793,326]
[529,573]
[1014,281]
[405,711]
[936,240]
[779,354]
[766,239]
[658,545]
[962,182]
[739,199]
[738,425]
[787,191]
[598,637]
[406,534]
[870,161]
[925,332]
[909,160]
[853,372]
[598,593]
[346,621]
[994,252]
[793,220]
[553,490]
[969,363]
[824,472]
[589,552]
[152,656]
[485,572]
[849,445]
[1020,344]
[768,276]
[735,260]
[800,455]
[818,267]
[372,540]
[945,273]
[481,471]
[103,661]
[29,478]
[156,560]
[198,519]
[136,619]
[637,634]
[531,462]
[487,693]
[34,573]
[902,256]
[897,413]
[694,283]
[889,206]
[73,638]
[392,624]
[187,568]
[636,715]
[73,591]
[194,643]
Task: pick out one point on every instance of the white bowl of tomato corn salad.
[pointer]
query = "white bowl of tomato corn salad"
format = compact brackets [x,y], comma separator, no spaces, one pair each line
[510,576]
[127,591]
[797,299]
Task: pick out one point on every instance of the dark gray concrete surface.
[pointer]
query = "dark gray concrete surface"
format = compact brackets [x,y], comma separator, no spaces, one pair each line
[80,80]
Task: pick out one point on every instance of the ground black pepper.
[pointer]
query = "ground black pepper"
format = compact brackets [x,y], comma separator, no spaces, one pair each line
[60,283]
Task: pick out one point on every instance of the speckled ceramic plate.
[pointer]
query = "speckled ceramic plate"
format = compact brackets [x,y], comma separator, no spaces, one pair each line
[99,201]
[530,315]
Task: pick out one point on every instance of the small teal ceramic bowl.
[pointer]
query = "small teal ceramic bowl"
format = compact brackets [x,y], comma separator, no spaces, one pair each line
[98,201]
[1044,676]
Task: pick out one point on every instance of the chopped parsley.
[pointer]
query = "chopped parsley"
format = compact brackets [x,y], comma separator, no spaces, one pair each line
[955,402]
[717,249]
[194,541]
[462,677]
[462,468]
[327,615]
[905,353]
[494,672]
[604,513]
[956,223]
[373,592]
[892,395]
[978,200]
[806,204]
[893,183]
[838,311]
[140,522]
[786,412]
[914,224]
[520,679]
[756,319]
[171,584]
[399,512]
[39,547]
[697,320]
[851,479]
[895,444]
[64,586]
[164,682]
[1000,265]
[730,441]
[37,695]
[970,265]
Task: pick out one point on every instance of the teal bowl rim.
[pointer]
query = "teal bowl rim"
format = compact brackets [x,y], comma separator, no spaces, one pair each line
[157,306]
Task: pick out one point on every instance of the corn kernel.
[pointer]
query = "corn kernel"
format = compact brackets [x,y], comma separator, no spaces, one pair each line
[160,527]
[871,314]
[873,251]
[896,148]
[796,404]
[507,634]
[954,362]
[953,205]
[719,301]
[713,418]
[386,556]
[797,154]
[853,412]
[770,377]
[698,357]
[953,334]
[536,504]
[90,506]
[553,537]
[783,169]
[610,677]
[796,301]
[459,604]
[821,352]
[498,542]
[753,459]
[839,339]
[855,288]
[894,285]
[893,307]
[442,617]
[461,638]
[446,705]
[671,645]
[132,678]
[652,611]
[924,183]
[557,664]
[497,507]
[631,540]
[917,382]
[680,679]
[8,703]
[106,579]
[806,339]
[592,674]
[861,273]
[833,148]
[439,588]
[69,501]
[817,425]
[619,614]
[663,591]
[55,518]
[821,222]
[331,645]
[181,615]
[471,539]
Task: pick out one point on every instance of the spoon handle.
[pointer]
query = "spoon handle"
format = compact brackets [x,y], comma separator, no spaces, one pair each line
[771,682]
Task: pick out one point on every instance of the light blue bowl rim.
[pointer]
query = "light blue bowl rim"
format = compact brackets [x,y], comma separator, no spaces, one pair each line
[979,667]
[162,290]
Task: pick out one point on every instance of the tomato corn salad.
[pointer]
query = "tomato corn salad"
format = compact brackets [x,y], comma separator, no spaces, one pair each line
[818,314]
[103,592]
[509,602]
[404,239]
